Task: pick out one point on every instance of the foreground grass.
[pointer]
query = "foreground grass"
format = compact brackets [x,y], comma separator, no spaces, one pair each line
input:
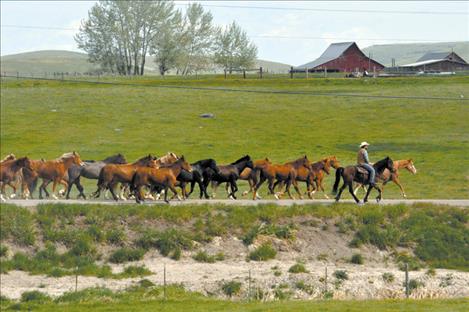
[151,299]
[100,120]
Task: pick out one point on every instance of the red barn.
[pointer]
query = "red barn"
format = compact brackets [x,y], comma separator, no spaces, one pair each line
[342,57]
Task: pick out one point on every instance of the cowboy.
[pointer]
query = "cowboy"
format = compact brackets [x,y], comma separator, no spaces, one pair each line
[363,160]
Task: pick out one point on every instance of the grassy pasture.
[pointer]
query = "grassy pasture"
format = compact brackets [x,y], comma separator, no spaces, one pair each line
[46,119]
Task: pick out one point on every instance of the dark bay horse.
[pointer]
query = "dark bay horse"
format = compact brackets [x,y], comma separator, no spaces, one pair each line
[9,170]
[113,174]
[89,170]
[355,173]
[55,171]
[165,177]
[231,173]
[388,176]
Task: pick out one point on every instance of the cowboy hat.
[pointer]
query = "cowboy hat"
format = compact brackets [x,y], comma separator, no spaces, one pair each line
[364,143]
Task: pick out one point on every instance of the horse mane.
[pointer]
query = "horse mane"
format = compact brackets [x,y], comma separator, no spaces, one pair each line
[10,156]
[66,155]
[380,165]
[244,158]
[113,157]
[297,161]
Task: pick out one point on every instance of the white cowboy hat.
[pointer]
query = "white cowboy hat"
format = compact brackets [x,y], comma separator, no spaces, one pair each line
[364,143]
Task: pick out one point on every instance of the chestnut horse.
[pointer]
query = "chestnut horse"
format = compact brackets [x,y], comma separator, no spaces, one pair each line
[112,174]
[9,170]
[165,177]
[55,171]
[358,174]
[286,173]
[319,169]
[387,176]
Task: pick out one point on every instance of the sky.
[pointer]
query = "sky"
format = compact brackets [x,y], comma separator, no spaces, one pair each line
[291,32]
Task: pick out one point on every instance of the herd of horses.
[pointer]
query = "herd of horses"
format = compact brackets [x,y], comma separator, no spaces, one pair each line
[149,177]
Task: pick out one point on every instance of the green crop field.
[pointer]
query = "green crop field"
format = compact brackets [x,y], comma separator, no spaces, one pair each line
[45,119]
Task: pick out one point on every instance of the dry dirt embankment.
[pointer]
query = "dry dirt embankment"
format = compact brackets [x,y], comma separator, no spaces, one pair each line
[314,238]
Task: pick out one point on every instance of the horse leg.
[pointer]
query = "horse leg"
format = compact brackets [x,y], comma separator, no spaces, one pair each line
[395,179]
[214,188]
[350,189]
[258,185]
[234,187]
[367,194]
[113,193]
[54,185]
[43,186]
[13,195]
[287,188]
[342,188]
[2,191]
[297,189]
[80,188]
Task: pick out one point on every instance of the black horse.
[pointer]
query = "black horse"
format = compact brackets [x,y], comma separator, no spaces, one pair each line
[90,170]
[230,174]
[359,174]
[201,170]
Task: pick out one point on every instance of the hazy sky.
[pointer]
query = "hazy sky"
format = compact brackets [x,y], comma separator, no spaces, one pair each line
[282,33]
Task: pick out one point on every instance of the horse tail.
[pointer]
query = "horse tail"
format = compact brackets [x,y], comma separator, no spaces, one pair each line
[101,178]
[132,186]
[338,174]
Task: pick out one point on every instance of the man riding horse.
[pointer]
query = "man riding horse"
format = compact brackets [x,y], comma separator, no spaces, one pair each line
[364,161]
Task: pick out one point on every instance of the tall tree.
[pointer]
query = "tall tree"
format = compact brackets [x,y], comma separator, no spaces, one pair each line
[196,40]
[117,34]
[233,49]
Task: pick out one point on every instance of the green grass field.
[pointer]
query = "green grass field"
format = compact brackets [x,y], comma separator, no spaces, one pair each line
[45,119]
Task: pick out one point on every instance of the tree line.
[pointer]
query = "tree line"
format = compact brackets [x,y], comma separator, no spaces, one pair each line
[119,35]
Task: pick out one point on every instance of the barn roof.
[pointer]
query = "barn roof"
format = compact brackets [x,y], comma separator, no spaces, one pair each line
[434,56]
[427,62]
[332,52]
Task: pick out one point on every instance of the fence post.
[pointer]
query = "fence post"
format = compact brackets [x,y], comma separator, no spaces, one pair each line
[325,71]
[225,73]
[164,282]
[291,72]
[260,72]
[244,73]
[306,72]
[325,281]
[374,71]
[17,75]
[249,286]
[76,279]
[62,75]
[407,280]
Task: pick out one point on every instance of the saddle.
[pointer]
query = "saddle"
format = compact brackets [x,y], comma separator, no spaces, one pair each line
[362,170]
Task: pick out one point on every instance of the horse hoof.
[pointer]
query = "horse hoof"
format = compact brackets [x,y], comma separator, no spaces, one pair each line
[360,203]
[327,197]
[245,193]
[276,196]
[12,196]
[55,197]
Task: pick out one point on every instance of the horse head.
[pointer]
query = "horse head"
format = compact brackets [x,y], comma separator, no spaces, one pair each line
[9,157]
[24,162]
[184,164]
[334,162]
[307,164]
[327,165]
[410,166]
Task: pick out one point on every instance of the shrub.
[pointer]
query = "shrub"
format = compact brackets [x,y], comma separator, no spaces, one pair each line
[173,241]
[83,247]
[95,293]
[414,284]
[145,283]
[34,296]
[126,254]
[431,272]
[202,256]
[115,237]
[357,259]
[403,258]
[263,253]
[341,275]
[301,285]
[298,268]
[134,271]
[281,294]
[251,235]
[3,250]
[95,232]
[231,288]
[322,257]
[388,277]
[176,254]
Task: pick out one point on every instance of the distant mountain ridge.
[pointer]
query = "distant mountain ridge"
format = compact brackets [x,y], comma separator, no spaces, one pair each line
[49,61]
[406,53]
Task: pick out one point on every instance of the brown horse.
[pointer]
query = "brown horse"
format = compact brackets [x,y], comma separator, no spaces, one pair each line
[387,175]
[165,177]
[286,173]
[319,169]
[54,171]
[113,174]
[9,170]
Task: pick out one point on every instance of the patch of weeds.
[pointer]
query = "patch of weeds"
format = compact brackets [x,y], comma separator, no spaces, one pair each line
[145,283]
[298,268]
[447,280]
[95,293]
[115,237]
[126,254]
[263,253]
[258,294]
[328,294]
[176,255]
[202,256]
[357,259]
[301,285]
[341,275]
[134,271]
[388,277]
[402,258]
[231,288]
[322,257]
[96,233]
[251,235]
[172,241]
[431,272]
[281,294]
[34,296]
[414,284]
[3,250]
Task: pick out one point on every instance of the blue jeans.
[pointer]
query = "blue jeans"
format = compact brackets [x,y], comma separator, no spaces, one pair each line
[371,171]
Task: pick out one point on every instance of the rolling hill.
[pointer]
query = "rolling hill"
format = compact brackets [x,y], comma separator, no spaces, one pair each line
[410,52]
[40,62]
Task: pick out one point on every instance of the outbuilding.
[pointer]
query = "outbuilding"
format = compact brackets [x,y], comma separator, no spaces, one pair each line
[341,57]
[438,62]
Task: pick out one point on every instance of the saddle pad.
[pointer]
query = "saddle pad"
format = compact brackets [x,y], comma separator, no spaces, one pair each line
[362,170]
